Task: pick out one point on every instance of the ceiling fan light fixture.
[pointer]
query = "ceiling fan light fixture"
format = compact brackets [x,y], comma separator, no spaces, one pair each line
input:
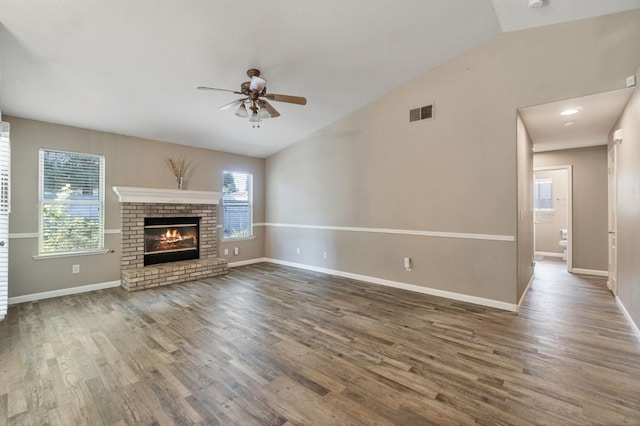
[255,96]
[242,111]
[263,113]
[257,84]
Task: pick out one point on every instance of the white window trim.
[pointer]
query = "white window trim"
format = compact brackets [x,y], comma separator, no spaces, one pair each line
[230,239]
[251,235]
[71,254]
[98,250]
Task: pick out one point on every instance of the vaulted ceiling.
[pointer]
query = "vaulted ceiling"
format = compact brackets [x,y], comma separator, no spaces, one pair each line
[132,67]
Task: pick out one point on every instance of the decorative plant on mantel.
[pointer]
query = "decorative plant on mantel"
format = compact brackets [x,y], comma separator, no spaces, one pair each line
[178,168]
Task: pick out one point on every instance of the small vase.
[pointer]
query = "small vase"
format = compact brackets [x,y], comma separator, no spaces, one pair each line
[180,182]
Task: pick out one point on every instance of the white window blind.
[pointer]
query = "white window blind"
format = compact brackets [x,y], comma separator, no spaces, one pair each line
[543,194]
[237,200]
[5,207]
[71,202]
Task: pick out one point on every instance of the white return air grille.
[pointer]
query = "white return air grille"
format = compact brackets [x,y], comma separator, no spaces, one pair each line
[421,113]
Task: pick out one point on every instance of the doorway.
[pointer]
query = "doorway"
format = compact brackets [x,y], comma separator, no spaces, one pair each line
[553,188]
[582,124]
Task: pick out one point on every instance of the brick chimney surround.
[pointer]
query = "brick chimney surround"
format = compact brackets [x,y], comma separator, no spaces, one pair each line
[138,203]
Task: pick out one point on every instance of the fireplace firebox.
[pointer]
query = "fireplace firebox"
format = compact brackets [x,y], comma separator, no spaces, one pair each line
[170,239]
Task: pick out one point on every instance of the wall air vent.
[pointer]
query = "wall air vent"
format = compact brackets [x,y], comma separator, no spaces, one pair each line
[421,113]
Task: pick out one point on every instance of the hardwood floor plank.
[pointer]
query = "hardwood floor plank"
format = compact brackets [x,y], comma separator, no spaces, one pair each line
[107,408]
[133,409]
[4,409]
[250,400]
[16,402]
[209,415]
[303,406]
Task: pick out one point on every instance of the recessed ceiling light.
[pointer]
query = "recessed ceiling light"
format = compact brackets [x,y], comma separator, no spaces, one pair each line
[570,111]
[569,123]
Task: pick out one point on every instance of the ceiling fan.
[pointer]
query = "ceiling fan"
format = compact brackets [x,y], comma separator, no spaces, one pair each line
[257,99]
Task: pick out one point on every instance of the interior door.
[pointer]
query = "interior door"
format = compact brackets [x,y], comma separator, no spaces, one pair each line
[612,283]
[5,161]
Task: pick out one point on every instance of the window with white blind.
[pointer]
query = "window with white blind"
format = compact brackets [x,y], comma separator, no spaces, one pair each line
[5,207]
[237,204]
[71,202]
[543,194]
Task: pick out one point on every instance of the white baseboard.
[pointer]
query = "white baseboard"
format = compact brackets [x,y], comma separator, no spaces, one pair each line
[526,290]
[630,320]
[374,280]
[404,286]
[590,272]
[548,254]
[246,262]
[62,292]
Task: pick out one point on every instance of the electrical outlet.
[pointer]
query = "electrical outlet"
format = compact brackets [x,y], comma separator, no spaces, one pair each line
[631,80]
[236,251]
[75,269]
[407,263]
[226,252]
[298,250]
[324,254]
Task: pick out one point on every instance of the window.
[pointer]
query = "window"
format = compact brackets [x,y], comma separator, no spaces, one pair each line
[543,194]
[71,202]
[237,200]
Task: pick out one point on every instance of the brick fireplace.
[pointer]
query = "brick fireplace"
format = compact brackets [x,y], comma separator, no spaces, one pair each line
[138,204]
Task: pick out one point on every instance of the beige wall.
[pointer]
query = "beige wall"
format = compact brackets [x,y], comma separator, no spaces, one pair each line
[629,207]
[549,224]
[525,207]
[129,162]
[590,191]
[456,173]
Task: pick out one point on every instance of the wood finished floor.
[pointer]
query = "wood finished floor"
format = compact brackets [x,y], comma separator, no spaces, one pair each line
[272,345]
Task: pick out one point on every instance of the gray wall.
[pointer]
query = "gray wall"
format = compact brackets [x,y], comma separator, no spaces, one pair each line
[629,207]
[129,162]
[456,173]
[590,189]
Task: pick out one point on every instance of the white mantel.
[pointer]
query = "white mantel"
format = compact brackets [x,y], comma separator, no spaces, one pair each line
[129,194]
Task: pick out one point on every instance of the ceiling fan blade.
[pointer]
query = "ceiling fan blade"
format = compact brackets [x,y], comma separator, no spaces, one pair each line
[220,90]
[257,84]
[286,98]
[232,104]
[272,111]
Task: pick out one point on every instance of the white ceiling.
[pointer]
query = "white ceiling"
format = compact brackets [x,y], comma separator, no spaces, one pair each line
[589,127]
[513,16]
[132,67]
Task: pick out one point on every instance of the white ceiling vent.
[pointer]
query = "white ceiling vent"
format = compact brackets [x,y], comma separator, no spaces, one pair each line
[421,113]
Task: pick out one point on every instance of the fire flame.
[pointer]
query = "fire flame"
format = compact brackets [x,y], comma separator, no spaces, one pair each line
[171,238]
[172,235]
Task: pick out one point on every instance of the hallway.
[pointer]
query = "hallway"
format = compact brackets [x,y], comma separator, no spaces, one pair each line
[585,341]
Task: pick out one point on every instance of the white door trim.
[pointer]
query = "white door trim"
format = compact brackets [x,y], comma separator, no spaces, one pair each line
[612,238]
